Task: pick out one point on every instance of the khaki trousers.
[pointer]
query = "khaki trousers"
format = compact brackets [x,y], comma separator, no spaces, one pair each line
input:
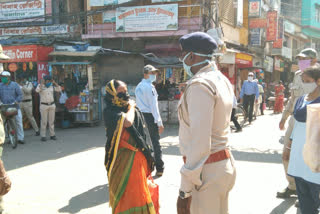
[47,116]
[212,197]
[26,107]
[292,184]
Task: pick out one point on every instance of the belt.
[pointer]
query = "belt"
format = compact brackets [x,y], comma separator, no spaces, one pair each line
[216,157]
[24,101]
[48,104]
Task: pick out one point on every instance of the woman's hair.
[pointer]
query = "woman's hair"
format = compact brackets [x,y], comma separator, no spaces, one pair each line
[280,82]
[313,72]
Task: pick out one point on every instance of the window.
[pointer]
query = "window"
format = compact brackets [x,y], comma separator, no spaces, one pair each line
[318,13]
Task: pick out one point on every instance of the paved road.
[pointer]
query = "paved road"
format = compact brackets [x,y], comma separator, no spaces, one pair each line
[68,176]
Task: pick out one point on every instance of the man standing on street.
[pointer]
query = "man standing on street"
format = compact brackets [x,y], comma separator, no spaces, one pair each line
[306,58]
[26,104]
[47,106]
[250,94]
[147,102]
[10,93]
[204,112]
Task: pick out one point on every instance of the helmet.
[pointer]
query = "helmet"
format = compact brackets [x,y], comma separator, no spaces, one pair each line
[5,74]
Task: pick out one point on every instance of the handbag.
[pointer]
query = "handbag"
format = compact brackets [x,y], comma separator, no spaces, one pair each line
[311,150]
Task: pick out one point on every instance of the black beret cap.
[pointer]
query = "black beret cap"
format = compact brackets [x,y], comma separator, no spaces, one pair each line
[47,77]
[199,42]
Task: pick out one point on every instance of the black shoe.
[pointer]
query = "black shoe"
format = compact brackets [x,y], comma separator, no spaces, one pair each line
[159,173]
[238,130]
[37,133]
[297,204]
[286,193]
[53,138]
[21,142]
[43,139]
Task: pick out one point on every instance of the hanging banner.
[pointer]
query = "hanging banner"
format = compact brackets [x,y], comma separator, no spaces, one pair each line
[147,18]
[254,8]
[279,42]
[35,30]
[272,26]
[268,64]
[255,37]
[289,27]
[109,16]
[42,70]
[257,23]
[240,14]
[278,64]
[18,11]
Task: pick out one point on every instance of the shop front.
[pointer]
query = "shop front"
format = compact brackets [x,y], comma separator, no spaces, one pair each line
[32,62]
[76,72]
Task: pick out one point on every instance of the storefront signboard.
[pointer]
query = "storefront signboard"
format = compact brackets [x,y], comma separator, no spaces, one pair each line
[255,37]
[278,64]
[35,30]
[254,8]
[147,18]
[27,53]
[18,11]
[268,64]
[289,27]
[43,70]
[272,26]
[243,60]
[258,23]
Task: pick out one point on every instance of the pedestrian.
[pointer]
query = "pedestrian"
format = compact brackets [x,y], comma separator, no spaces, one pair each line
[147,102]
[204,110]
[249,94]
[307,182]
[279,94]
[128,158]
[46,89]
[306,58]
[262,92]
[10,93]
[258,104]
[234,119]
[26,103]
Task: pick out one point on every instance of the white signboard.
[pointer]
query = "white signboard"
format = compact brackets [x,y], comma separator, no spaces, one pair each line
[99,3]
[147,18]
[109,16]
[17,11]
[35,30]
[289,27]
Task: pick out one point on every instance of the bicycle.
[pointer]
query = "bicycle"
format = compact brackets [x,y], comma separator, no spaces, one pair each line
[9,111]
[241,116]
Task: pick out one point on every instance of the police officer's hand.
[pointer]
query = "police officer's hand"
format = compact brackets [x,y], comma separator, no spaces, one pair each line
[183,205]
[281,124]
[132,103]
[161,129]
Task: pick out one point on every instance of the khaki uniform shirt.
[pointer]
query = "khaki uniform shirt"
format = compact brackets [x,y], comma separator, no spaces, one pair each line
[27,91]
[46,94]
[297,90]
[204,114]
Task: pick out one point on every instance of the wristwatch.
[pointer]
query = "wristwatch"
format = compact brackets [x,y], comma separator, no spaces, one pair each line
[184,195]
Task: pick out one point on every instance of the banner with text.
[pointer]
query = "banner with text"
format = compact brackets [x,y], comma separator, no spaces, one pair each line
[35,30]
[147,18]
[272,26]
[17,11]
[254,8]
[279,42]
[255,37]
[258,23]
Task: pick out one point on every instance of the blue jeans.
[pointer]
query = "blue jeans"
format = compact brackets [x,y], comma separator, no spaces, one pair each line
[308,195]
[19,126]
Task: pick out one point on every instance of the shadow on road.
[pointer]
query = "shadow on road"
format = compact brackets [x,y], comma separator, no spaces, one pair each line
[284,206]
[70,141]
[91,198]
[257,157]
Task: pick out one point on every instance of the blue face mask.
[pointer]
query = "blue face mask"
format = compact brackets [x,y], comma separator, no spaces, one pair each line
[152,78]
[48,84]
[187,68]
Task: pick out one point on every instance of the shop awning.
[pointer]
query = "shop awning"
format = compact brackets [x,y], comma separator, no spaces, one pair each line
[75,54]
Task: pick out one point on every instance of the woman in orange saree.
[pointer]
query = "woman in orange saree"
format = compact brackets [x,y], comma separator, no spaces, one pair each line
[279,93]
[129,157]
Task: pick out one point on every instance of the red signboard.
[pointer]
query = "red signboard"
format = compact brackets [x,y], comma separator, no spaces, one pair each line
[272,26]
[278,43]
[42,70]
[257,23]
[243,60]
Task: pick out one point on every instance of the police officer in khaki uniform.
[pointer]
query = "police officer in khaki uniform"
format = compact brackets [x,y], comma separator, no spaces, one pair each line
[47,105]
[306,58]
[204,112]
[26,103]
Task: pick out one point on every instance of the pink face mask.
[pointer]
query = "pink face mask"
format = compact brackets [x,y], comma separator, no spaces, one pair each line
[304,64]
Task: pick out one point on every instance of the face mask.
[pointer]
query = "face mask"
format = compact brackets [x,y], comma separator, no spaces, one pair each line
[250,79]
[309,87]
[187,68]
[304,64]
[4,80]
[124,96]
[152,78]
[48,84]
